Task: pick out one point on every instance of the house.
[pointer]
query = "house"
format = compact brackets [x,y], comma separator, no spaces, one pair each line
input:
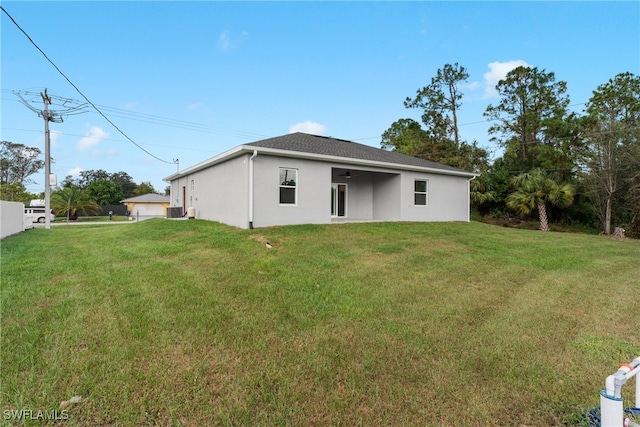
[147,205]
[302,179]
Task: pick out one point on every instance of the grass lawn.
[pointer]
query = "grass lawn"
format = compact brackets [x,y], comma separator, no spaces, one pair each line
[195,323]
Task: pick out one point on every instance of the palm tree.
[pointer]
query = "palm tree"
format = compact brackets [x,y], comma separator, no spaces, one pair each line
[534,190]
[482,190]
[71,201]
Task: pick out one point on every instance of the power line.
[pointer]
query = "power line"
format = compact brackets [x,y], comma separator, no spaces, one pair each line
[164,121]
[81,93]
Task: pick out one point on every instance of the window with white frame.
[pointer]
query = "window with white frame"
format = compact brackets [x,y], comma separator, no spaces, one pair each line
[288,186]
[420,192]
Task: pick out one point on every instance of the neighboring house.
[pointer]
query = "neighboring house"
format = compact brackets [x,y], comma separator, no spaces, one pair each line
[147,205]
[302,179]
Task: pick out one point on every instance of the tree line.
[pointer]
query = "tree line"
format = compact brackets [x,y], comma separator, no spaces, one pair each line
[81,194]
[557,165]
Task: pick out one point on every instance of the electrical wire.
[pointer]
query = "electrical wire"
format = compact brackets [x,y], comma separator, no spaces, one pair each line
[154,119]
[81,93]
[180,123]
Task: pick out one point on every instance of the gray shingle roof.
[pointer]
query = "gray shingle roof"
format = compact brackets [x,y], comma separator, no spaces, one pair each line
[323,145]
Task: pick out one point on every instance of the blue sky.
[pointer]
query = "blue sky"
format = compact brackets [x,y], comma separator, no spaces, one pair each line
[189,80]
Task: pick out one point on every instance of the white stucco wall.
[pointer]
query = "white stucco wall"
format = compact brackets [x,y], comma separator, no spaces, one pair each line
[11,218]
[221,193]
[386,197]
[447,198]
[313,193]
[360,197]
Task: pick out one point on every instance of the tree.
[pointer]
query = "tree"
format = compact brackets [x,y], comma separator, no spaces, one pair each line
[439,140]
[125,181]
[404,136]
[407,136]
[144,188]
[612,152]
[532,117]
[633,230]
[72,201]
[440,102]
[482,191]
[105,192]
[16,192]
[120,180]
[18,162]
[533,190]
[89,176]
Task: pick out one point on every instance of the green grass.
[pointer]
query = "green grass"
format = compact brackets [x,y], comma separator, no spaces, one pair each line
[195,323]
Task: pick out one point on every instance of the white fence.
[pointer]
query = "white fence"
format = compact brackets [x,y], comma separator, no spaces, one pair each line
[12,219]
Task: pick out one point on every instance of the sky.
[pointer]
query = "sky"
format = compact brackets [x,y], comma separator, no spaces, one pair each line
[190,80]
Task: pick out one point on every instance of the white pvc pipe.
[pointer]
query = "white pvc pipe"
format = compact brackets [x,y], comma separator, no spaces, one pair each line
[636,363]
[611,411]
[611,403]
[637,391]
[610,385]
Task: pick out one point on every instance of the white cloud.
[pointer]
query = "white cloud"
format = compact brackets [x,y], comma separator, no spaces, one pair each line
[498,71]
[53,137]
[93,137]
[227,42]
[308,127]
[75,171]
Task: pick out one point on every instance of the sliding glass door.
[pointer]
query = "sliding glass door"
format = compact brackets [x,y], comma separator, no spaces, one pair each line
[338,200]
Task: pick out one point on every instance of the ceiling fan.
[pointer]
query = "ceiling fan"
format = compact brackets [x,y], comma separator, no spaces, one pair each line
[348,174]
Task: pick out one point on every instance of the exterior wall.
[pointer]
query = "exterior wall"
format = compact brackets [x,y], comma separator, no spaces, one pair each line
[386,197]
[12,218]
[219,193]
[312,198]
[360,197]
[447,198]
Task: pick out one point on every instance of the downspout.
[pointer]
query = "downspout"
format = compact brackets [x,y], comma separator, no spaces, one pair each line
[255,153]
[469,198]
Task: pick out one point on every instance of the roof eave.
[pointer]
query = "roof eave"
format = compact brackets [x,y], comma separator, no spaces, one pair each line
[229,154]
[242,149]
[358,162]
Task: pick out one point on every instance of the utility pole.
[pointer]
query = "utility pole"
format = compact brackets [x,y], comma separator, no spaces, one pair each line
[47,157]
[49,116]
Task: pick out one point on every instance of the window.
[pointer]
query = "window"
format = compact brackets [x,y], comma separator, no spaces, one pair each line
[420,192]
[288,186]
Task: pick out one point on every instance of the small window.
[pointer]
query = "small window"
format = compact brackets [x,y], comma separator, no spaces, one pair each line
[288,186]
[420,192]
